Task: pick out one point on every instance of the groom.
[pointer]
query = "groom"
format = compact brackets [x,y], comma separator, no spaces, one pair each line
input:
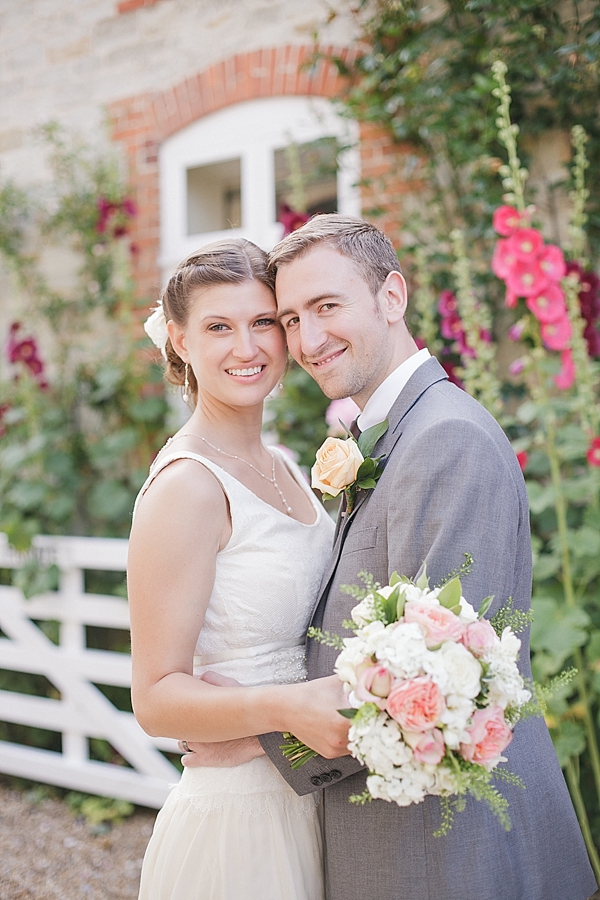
[451,485]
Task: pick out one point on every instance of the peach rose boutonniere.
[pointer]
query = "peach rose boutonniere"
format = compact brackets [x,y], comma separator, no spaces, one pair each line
[346,465]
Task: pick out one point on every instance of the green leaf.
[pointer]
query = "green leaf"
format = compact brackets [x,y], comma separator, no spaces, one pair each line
[592,648]
[369,437]
[348,713]
[569,742]
[449,596]
[540,496]
[366,469]
[109,500]
[422,581]
[545,566]
[28,495]
[557,630]
[367,484]
[484,606]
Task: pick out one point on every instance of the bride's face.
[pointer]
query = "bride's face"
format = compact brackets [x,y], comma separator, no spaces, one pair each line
[233,342]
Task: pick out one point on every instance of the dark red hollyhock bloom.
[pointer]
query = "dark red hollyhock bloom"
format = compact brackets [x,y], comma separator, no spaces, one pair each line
[107,209]
[24,351]
[593,454]
[522,458]
[589,302]
[450,370]
[4,408]
[291,219]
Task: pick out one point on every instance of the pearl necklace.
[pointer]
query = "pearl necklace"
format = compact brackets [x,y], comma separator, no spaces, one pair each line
[272,479]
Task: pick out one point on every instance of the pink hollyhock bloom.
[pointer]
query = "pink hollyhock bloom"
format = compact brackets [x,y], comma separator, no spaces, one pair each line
[374,685]
[526,279]
[439,624]
[291,219]
[427,748]
[451,327]
[549,305]
[479,637]
[517,366]
[503,258]
[462,347]
[522,459]
[416,705]
[344,409]
[129,207]
[593,454]
[515,332]
[552,262]
[510,299]
[447,304]
[506,220]
[489,734]
[565,378]
[556,335]
[526,244]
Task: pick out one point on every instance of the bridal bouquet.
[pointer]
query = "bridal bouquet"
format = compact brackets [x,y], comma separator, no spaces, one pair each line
[434,691]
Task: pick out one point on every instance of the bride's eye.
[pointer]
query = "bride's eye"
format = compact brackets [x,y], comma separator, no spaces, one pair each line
[218,326]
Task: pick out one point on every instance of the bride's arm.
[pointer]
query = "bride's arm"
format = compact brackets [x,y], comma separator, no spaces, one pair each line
[181,523]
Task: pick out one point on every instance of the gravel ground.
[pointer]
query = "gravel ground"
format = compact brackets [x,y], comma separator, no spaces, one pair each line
[47,853]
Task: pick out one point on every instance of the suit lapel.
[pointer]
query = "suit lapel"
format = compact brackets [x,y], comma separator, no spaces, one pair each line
[429,373]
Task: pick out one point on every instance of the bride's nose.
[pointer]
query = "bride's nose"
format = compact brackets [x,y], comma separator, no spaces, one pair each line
[244,346]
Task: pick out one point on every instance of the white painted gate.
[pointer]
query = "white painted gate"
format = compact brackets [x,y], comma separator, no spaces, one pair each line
[82,711]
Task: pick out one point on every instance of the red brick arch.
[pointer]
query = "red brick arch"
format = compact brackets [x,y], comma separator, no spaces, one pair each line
[141,123]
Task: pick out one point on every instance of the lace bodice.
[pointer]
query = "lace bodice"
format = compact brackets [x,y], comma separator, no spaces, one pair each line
[266,583]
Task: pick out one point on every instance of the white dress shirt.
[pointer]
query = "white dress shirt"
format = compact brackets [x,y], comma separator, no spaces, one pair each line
[383,398]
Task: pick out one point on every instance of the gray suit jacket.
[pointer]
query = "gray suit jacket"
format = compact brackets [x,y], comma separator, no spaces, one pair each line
[451,485]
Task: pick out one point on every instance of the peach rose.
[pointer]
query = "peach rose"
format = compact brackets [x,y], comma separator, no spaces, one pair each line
[374,685]
[428,748]
[439,623]
[489,734]
[416,705]
[337,465]
[479,636]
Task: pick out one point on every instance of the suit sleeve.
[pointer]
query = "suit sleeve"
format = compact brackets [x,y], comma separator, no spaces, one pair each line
[314,775]
[453,492]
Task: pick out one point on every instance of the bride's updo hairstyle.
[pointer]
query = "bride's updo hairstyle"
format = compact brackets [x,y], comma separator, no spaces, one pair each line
[224,262]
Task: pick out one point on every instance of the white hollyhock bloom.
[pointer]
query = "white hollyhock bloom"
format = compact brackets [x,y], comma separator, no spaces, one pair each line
[155,327]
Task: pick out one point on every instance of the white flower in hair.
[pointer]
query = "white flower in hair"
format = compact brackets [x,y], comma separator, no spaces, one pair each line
[155,327]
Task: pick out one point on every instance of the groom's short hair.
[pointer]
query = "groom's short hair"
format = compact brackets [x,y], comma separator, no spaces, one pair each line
[363,243]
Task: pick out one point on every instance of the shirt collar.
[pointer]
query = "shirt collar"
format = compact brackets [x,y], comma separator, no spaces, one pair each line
[383,398]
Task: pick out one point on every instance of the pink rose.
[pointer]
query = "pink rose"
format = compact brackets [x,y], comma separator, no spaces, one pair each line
[489,734]
[428,748]
[416,705]
[439,623]
[479,636]
[374,685]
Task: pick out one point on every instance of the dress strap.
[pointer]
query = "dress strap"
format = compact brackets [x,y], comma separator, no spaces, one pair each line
[156,468]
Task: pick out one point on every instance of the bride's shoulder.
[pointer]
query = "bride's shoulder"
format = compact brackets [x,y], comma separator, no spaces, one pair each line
[181,485]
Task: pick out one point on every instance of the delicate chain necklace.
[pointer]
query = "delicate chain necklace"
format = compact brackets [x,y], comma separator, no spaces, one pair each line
[272,479]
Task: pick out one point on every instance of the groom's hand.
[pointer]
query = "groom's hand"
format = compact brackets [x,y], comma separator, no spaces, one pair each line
[314,717]
[220,754]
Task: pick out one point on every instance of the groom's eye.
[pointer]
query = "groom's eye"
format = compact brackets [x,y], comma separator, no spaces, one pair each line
[289,323]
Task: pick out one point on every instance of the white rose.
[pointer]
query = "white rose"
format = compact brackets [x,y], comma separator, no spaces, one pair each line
[364,612]
[467,613]
[156,328]
[462,669]
[337,465]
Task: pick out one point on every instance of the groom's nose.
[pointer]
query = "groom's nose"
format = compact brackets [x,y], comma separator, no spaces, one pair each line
[313,335]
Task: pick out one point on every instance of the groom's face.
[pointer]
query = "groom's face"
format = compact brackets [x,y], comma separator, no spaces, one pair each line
[335,328]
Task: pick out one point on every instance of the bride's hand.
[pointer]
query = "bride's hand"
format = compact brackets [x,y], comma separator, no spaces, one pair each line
[315,720]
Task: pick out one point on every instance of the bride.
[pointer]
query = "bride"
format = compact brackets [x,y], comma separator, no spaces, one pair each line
[227,550]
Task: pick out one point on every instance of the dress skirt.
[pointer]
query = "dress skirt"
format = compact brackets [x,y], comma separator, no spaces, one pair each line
[233,833]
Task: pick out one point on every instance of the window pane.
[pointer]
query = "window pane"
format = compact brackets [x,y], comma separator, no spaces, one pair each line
[214,197]
[306,176]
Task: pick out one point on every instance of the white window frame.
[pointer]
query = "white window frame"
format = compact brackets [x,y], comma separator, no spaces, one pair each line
[251,130]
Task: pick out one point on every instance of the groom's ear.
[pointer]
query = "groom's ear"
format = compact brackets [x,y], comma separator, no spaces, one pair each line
[393,297]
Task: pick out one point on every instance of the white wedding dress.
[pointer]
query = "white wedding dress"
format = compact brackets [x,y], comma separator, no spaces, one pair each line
[241,833]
